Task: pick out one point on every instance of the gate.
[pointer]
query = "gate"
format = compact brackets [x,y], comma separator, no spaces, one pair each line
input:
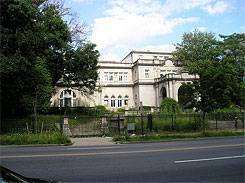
[85,126]
[115,124]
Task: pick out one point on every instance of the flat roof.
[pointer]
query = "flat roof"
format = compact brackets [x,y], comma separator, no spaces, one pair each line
[147,52]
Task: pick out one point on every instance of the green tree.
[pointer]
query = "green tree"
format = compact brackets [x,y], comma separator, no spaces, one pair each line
[34,43]
[233,47]
[169,106]
[218,83]
[81,67]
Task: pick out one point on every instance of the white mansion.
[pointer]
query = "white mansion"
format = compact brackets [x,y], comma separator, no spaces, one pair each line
[141,76]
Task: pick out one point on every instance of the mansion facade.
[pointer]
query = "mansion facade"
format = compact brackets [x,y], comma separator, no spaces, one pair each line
[142,76]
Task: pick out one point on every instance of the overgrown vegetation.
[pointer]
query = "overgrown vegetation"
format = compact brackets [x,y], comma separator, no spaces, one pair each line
[25,139]
[172,136]
[169,106]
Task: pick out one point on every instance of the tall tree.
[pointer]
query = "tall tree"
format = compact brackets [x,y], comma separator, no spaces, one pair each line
[233,47]
[81,67]
[218,83]
[34,43]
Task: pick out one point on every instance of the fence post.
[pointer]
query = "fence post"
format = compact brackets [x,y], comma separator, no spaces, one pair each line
[118,122]
[61,125]
[236,121]
[243,120]
[216,118]
[172,122]
[141,116]
[196,125]
[150,122]
[204,115]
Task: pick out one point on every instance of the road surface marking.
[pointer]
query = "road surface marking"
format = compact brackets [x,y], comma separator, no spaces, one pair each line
[86,148]
[123,152]
[209,159]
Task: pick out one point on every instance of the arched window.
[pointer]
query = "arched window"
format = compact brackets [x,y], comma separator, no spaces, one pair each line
[126,100]
[163,93]
[113,101]
[106,101]
[119,102]
[67,98]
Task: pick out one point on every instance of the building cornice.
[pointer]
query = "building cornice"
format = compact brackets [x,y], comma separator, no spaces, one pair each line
[116,85]
[143,83]
[116,66]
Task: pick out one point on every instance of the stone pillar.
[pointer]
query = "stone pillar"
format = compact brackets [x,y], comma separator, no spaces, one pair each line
[66,130]
[104,125]
[152,109]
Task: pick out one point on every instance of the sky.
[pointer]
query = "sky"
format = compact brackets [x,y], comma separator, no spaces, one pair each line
[120,26]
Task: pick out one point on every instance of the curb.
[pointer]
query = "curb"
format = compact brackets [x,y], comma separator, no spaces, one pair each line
[31,145]
[179,140]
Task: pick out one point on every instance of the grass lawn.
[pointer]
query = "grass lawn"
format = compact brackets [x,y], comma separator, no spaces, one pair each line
[25,139]
[174,136]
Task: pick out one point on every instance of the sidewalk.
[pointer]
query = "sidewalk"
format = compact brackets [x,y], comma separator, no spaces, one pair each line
[92,141]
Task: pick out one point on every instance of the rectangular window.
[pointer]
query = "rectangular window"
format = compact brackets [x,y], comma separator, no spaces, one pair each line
[166,57]
[106,76]
[120,76]
[74,103]
[147,73]
[125,76]
[111,76]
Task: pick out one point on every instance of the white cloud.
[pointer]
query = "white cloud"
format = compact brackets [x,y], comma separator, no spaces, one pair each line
[109,57]
[176,6]
[218,8]
[202,29]
[126,28]
[162,48]
[128,22]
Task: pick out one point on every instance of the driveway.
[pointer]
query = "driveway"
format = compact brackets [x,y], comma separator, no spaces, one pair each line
[92,141]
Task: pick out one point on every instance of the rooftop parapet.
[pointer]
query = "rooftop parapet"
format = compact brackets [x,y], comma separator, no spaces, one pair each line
[184,76]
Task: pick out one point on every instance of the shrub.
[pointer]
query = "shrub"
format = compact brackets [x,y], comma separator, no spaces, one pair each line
[24,139]
[170,106]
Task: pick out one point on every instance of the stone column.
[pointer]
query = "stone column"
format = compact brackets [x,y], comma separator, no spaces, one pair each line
[66,130]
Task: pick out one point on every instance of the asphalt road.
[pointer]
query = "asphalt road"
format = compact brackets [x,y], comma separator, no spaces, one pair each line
[217,160]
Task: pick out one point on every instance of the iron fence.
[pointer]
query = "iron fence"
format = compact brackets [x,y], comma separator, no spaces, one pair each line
[112,124]
[186,122]
[29,124]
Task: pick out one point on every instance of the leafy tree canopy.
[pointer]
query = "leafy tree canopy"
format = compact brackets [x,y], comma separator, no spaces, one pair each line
[170,106]
[219,65]
[34,43]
